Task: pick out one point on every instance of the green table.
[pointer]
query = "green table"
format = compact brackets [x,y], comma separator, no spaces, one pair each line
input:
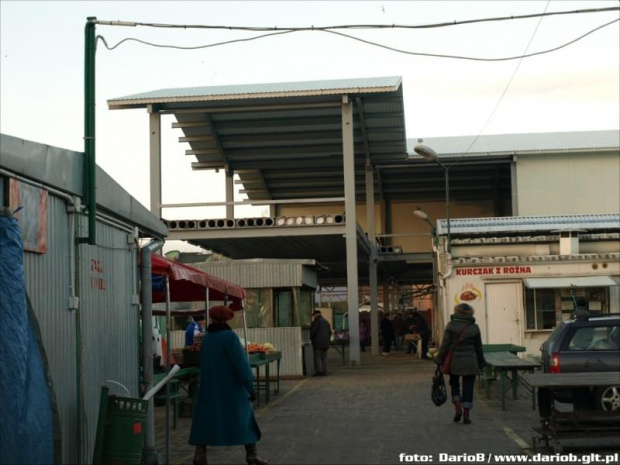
[489,348]
[186,379]
[259,360]
[340,345]
[501,364]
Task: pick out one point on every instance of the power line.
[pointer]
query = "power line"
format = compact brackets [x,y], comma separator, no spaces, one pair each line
[368,42]
[217,44]
[354,26]
[459,57]
[514,73]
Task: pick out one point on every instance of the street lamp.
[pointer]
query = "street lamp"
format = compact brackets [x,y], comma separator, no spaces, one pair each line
[429,154]
[424,216]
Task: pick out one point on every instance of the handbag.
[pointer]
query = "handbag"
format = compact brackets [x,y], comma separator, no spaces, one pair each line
[447,361]
[439,396]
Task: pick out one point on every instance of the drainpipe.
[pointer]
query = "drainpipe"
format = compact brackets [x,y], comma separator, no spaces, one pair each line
[146,295]
[90,166]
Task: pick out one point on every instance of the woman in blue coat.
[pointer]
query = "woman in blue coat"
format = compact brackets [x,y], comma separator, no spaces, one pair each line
[224,415]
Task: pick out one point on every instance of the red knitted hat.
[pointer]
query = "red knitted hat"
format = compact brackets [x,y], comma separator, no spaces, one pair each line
[221,313]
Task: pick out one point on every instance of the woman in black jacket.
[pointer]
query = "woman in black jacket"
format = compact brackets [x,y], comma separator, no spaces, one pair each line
[462,338]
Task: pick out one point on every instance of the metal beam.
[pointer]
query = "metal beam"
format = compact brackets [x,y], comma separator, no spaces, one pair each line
[296,164]
[155,160]
[245,233]
[256,202]
[218,144]
[251,108]
[348,159]
[230,195]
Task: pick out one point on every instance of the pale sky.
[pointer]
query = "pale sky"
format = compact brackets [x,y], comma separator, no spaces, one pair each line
[42,74]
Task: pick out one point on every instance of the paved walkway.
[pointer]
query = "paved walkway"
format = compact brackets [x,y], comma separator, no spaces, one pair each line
[369,415]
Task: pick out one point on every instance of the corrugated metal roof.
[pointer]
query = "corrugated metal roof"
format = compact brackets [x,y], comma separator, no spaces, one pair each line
[570,281]
[512,224]
[501,144]
[267,90]
[62,169]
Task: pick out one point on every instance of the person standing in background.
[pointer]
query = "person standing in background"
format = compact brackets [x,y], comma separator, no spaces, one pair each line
[364,334]
[193,329]
[320,336]
[399,331]
[409,329]
[387,331]
[421,327]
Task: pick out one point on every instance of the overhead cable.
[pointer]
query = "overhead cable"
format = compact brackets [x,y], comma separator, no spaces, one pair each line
[368,42]
[354,26]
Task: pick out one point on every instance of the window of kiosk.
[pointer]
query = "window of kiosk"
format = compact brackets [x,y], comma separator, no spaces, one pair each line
[546,307]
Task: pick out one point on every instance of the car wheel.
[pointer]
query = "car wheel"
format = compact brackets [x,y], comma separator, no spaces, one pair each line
[607,398]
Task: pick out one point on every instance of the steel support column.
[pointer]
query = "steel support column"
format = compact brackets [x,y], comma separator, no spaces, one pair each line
[155,160]
[348,155]
[230,194]
[372,269]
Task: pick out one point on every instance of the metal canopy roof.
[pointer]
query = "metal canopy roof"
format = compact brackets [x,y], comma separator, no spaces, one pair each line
[284,140]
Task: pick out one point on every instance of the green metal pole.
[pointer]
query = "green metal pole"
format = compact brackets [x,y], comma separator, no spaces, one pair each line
[90,166]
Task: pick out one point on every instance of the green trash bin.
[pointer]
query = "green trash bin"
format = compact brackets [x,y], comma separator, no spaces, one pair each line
[120,431]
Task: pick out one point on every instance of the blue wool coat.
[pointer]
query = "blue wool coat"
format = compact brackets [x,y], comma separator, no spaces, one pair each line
[224,415]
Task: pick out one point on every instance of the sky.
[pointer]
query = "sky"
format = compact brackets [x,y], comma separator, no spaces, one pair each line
[42,72]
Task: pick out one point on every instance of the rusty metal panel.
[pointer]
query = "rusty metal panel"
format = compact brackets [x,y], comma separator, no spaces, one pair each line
[47,278]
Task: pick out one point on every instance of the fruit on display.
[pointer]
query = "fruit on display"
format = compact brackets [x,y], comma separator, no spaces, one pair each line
[265,348]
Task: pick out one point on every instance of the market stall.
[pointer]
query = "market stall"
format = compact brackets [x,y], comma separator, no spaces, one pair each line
[176,282]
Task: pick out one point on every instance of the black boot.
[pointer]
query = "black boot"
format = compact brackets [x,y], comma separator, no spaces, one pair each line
[458,413]
[251,455]
[466,419]
[200,456]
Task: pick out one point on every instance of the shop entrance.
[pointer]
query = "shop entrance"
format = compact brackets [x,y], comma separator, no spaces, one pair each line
[503,313]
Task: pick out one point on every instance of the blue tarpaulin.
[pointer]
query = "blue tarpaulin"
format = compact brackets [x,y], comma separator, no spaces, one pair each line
[26,416]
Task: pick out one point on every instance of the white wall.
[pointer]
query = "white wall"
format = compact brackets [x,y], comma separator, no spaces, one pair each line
[583,183]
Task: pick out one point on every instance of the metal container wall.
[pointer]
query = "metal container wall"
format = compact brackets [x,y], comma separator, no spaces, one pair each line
[287,341]
[110,324]
[109,321]
[263,273]
[48,278]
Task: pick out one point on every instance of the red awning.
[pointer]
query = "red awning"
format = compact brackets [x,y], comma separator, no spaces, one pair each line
[188,284]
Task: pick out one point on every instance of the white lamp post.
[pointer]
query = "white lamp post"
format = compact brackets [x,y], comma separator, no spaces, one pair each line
[429,154]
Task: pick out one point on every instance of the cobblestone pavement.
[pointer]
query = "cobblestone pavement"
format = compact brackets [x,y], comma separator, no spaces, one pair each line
[370,415]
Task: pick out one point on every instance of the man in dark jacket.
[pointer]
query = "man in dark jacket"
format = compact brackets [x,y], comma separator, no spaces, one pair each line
[387,332]
[320,336]
[421,327]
